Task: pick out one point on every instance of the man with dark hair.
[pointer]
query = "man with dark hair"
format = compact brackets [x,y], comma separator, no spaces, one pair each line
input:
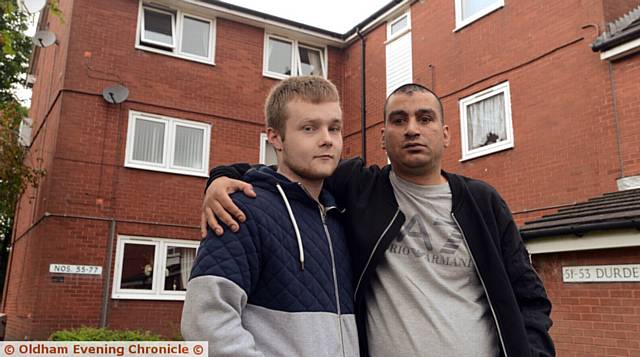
[441,269]
[281,285]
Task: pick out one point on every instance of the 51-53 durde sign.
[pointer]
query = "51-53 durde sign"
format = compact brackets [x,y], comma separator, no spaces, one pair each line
[601,273]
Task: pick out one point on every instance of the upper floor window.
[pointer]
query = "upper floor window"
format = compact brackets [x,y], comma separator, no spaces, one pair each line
[152,268]
[485,122]
[160,143]
[174,32]
[398,57]
[468,11]
[285,57]
[399,26]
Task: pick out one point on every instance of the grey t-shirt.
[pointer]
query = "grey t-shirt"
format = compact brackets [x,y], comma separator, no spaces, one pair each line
[425,297]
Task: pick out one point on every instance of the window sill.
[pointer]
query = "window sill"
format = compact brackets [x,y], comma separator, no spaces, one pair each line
[207,61]
[486,151]
[486,12]
[132,165]
[134,296]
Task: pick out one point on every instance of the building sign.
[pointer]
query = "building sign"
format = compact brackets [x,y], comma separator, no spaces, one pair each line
[601,273]
[75,269]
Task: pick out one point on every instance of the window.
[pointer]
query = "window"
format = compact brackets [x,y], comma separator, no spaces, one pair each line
[152,268]
[468,11]
[398,26]
[176,33]
[267,152]
[486,122]
[284,57]
[160,143]
[399,64]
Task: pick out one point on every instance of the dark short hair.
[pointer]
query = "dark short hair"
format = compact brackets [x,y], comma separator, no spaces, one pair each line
[409,89]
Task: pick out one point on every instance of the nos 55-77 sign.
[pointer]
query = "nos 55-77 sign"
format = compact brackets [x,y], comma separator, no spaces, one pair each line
[75,269]
[601,273]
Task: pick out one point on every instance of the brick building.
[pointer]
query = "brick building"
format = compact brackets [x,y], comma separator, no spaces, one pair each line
[532,109]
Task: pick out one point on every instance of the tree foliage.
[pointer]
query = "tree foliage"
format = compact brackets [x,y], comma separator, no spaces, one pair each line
[16,174]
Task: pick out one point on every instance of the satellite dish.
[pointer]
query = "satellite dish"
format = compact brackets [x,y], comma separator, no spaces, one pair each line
[33,6]
[44,38]
[115,94]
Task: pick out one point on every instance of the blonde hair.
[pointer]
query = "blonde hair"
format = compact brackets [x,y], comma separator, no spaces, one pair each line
[311,89]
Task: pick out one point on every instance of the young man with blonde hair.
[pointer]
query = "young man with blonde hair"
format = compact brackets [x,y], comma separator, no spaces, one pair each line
[282,284]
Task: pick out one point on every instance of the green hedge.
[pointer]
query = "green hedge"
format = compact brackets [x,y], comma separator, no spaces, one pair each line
[103,334]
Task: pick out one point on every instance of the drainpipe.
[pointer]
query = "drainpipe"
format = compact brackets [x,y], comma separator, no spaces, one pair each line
[616,118]
[363,100]
[106,274]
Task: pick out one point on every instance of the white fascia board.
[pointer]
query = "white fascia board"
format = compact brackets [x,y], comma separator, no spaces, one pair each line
[590,241]
[394,11]
[621,50]
[260,22]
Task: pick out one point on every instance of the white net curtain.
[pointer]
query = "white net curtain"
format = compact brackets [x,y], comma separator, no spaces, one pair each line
[486,122]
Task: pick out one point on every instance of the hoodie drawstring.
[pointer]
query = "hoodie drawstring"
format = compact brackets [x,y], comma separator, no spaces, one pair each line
[295,226]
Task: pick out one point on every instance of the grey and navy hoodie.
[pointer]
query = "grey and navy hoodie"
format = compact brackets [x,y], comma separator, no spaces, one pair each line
[281,285]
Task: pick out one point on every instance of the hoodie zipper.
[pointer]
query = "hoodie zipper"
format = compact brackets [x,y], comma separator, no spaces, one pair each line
[323,215]
[366,266]
[495,319]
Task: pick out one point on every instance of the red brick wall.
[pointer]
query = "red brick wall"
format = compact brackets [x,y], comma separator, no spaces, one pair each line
[592,319]
[626,72]
[613,9]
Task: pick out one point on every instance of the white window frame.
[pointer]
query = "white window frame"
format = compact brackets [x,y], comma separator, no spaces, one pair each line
[169,145]
[390,36]
[295,59]
[177,24]
[173,27]
[460,22]
[263,148]
[159,265]
[475,98]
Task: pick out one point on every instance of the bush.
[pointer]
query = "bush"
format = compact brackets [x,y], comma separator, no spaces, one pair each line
[103,334]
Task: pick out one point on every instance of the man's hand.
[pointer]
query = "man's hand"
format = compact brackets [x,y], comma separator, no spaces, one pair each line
[218,203]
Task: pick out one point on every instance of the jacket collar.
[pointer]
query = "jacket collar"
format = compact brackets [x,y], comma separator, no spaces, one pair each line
[266,178]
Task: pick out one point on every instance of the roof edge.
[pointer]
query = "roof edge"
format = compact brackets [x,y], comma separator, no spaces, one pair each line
[579,229]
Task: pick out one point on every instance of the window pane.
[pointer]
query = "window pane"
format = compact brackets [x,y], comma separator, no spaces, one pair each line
[311,62]
[188,148]
[270,157]
[137,266]
[399,25]
[195,37]
[471,7]
[279,56]
[179,264]
[158,27]
[148,142]
[486,122]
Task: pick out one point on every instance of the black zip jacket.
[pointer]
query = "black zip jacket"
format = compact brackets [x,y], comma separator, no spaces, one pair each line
[515,293]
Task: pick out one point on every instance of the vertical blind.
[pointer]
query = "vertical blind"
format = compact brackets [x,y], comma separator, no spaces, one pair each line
[148,142]
[195,37]
[188,147]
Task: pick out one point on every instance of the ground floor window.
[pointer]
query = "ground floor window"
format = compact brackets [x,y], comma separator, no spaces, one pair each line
[152,268]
